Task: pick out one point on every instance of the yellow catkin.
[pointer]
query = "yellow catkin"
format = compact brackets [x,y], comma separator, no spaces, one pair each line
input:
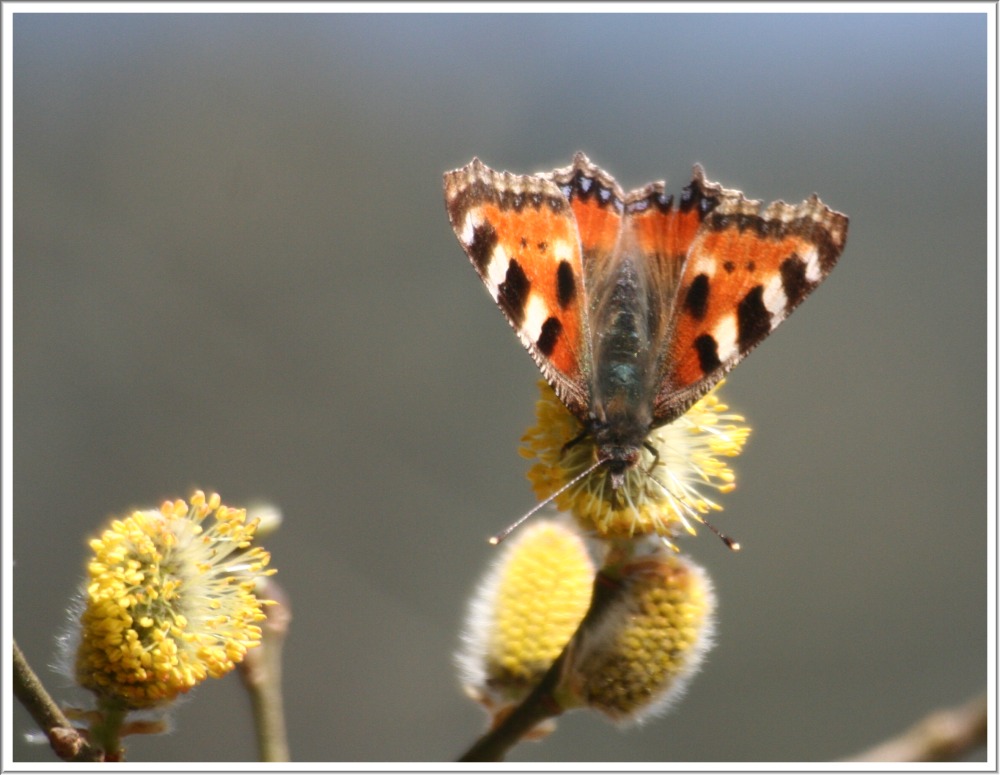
[169,601]
[525,611]
[650,642]
[663,494]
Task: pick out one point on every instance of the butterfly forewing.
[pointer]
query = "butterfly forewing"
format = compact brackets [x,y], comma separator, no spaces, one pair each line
[520,233]
[744,274]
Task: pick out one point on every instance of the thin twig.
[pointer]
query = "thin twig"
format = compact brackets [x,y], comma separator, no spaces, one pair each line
[261,672]
[67,742]
[944,735]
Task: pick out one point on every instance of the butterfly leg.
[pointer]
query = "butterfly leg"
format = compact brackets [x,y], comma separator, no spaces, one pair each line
[656,456]
[574,441]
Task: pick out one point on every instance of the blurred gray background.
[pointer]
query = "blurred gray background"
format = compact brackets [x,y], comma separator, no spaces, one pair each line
[233,270]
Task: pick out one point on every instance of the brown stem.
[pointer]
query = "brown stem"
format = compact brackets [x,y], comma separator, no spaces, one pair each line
[944,735]
[261,672]
[67,742]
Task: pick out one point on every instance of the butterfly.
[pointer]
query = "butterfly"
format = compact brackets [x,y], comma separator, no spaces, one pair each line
[634,305]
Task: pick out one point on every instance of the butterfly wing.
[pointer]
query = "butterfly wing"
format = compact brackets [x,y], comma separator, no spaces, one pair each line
[520,232]
[744,273]
[598,204]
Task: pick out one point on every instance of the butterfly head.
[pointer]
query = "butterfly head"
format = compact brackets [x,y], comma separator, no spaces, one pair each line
[618,459]
[618,442]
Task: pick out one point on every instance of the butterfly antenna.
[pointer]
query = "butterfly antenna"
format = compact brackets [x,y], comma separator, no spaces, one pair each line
[511,528]
[729,541]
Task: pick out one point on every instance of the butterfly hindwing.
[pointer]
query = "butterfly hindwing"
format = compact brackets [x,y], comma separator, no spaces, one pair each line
[520,233]
[598,204]
[661,228]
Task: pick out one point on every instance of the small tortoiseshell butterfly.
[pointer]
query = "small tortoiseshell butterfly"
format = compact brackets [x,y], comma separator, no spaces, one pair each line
[635,305]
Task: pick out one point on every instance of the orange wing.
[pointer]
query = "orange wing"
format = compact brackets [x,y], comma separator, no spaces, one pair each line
[662,229]
[520,233]
[597,203]
[744,273]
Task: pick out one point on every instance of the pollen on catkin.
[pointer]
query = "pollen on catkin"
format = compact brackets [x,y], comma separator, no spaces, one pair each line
[169,601]
[664,494]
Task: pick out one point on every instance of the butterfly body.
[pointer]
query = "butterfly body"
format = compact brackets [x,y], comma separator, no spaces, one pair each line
[621,388]
[635,305]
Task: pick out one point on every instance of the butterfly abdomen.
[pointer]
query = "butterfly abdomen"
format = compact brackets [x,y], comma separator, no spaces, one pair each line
[621,380]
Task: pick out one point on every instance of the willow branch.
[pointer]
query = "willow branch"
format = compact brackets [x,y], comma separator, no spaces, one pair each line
[261,673]
[67,742]
[944,735]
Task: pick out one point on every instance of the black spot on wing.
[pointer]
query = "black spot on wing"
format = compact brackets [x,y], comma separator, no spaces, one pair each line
[584,186]
[551,331]
[753,319]
[565,284]
[793,280]
[694,196]
[696,301]
[512,294]
[708,353]
[484,240]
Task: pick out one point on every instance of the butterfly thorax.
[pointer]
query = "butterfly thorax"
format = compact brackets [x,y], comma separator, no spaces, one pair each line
[622,390]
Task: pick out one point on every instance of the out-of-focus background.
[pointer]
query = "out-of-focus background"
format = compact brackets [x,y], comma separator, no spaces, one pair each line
[233,270]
